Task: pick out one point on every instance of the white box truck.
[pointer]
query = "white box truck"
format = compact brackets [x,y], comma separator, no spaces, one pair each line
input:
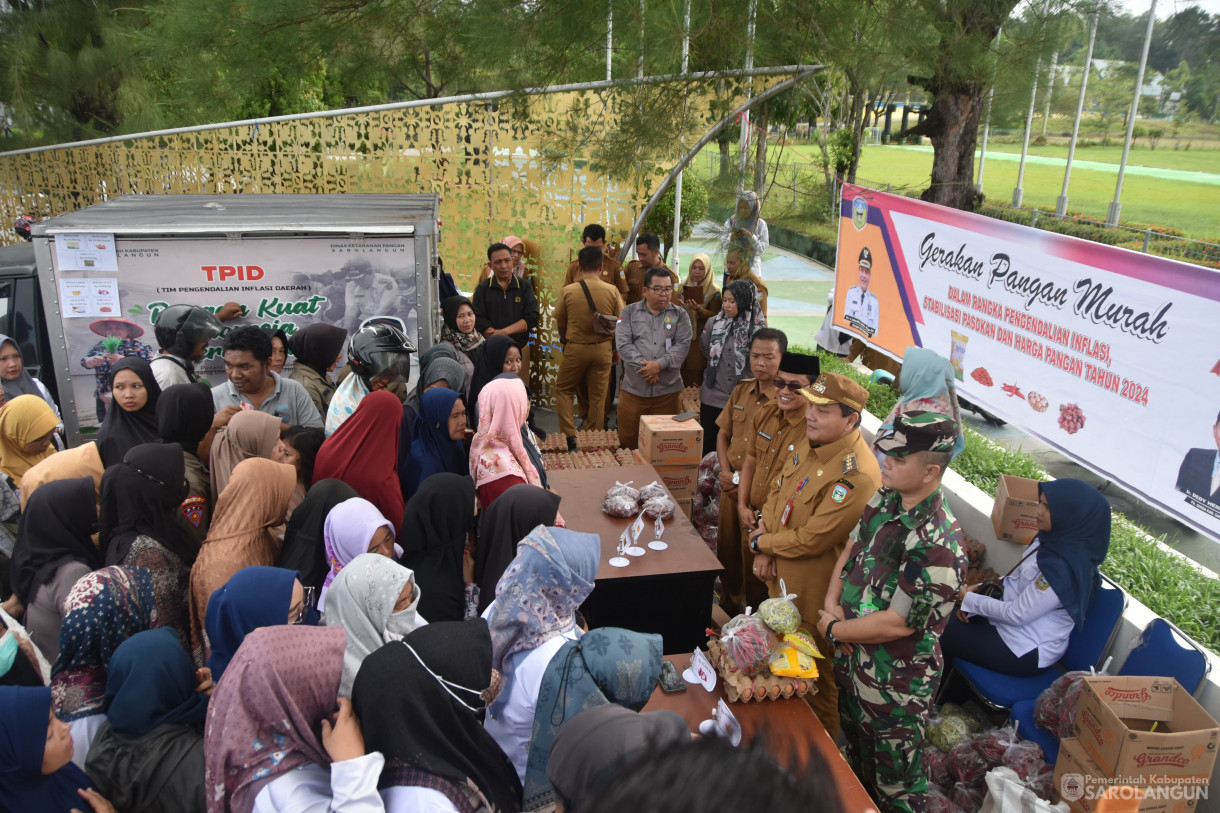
[107,271]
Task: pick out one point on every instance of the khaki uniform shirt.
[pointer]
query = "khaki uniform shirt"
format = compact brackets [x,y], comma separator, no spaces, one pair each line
[612,273]
[738,418]
[828,488]
[635,282]
[662,337]
[573,308]
[774,439]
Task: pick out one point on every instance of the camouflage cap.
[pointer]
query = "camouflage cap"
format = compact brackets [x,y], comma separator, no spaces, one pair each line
[833,388]
[918,432]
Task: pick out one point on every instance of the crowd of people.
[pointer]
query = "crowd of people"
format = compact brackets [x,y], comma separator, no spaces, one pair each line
[313,592]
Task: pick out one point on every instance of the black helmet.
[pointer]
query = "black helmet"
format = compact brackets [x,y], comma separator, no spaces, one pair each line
[22,226]
[380,350]
[180,327]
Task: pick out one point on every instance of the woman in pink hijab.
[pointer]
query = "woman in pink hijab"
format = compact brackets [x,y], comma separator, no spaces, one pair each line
[516,247]
[498,457]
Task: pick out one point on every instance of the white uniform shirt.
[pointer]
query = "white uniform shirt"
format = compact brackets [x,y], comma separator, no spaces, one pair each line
[863,308]
[83,730]
[345,787]
[1030,616]
[404,799]
[168,371]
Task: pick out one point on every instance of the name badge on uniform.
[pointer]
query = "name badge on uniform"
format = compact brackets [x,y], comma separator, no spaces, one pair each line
[783,520]
[764,434]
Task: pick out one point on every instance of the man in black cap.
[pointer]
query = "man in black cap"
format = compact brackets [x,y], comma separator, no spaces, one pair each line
[900,575]
[861,310]
[779,428]
[813,501]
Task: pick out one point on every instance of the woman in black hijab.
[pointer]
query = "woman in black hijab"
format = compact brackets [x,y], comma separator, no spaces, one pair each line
[304,547]
[141,525]
[488,363]
[53,550]
[435,527]
[316,349]
[184,416]
[510,518]
[132,416]
[429,730]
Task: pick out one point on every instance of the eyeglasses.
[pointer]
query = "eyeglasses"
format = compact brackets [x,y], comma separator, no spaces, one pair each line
[657,290]
[790,385]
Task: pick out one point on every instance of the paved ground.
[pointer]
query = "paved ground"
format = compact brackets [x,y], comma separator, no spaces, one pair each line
[1132,169]
[798,289]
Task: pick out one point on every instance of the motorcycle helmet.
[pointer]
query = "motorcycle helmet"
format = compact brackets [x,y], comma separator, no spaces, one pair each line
[380,350]
[179,328]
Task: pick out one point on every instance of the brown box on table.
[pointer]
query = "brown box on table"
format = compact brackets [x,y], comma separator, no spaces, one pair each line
[680,480]
[1014,516]
[666,442]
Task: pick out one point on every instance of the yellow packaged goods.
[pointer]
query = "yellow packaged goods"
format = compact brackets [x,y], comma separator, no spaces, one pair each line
[780,614]
[791,662]
[803,642]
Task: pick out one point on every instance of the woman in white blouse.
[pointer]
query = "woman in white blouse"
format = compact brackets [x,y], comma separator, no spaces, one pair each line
[1045,596]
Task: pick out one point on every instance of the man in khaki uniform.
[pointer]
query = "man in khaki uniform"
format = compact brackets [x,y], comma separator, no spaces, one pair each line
[594,236]
[814,501]
[736,424]
[648,250]
[778,430]
[587,354]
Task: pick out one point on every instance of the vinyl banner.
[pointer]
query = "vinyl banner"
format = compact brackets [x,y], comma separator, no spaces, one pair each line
[281,283]
[1108,355]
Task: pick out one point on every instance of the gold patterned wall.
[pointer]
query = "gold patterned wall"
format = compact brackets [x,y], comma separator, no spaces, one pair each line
[493,164]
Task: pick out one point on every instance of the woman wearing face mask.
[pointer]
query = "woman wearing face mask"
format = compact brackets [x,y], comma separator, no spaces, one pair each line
[418,702]
[255,597]
[36,768]
[700,308]
[132,418]
[352,528]
[375,600]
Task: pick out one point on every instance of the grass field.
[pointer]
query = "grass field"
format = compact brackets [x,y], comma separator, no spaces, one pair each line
[1184,205]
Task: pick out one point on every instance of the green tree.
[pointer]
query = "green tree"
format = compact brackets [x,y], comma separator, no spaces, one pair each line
[694,209]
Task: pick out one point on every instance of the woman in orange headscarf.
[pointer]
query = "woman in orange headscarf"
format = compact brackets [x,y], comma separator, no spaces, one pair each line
[27,424]
[254,501]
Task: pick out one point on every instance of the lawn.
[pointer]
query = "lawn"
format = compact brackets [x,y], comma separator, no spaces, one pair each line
[1146,201]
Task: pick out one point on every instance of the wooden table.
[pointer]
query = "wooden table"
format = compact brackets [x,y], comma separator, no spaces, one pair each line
[792,731]
[668,592]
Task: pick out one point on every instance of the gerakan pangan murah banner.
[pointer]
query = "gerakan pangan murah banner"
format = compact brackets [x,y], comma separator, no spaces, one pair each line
[1110,356]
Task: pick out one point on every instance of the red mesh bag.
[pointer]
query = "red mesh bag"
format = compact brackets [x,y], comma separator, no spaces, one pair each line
[1050,709]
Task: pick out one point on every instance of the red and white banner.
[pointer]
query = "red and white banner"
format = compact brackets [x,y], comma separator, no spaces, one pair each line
[1109,355]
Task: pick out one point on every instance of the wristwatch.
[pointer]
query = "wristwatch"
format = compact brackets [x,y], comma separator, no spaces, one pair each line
[754,543]
[830,636]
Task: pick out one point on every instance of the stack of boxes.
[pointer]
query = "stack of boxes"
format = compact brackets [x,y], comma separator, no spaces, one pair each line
[674,449]
[1138,732]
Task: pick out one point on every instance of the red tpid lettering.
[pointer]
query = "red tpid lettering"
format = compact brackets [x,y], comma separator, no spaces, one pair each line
[220,273]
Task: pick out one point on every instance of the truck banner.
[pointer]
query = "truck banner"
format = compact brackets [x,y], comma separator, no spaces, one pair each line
[1110,356]
[280,283]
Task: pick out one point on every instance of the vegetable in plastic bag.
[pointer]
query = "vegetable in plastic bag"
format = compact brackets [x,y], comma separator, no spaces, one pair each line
[968,798]
[623,490]
[1026,758]
[781,614]
[620,506]
[992,744]
[1057,705]
[951,726]
[748,641]
[965,765]
[934,767]
[938,802]
[653,489]
[660,508]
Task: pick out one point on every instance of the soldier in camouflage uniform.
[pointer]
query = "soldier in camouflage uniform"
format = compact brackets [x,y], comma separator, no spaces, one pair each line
[900,574]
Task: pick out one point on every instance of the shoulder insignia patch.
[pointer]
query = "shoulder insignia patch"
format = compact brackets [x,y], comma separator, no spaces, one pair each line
[849,463]
[839,493]
[1041,583]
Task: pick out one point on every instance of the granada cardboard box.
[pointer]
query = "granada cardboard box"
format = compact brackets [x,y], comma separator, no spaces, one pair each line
[685,507]
[1015,512]
[1146,727]
[1082,784]
[666,442]
[680,480]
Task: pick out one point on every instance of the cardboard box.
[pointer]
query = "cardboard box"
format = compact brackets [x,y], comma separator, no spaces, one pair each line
[1015,512]
[680,480]
[666,442]
[685,506]
[1081,783]
[1115,725]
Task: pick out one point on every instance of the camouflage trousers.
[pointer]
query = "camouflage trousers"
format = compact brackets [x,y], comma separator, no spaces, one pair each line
[884,733]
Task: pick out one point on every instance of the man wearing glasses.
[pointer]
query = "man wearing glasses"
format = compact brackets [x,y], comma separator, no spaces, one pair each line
[813,498]
[653,337]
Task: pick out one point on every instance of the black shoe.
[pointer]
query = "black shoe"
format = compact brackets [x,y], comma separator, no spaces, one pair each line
[571,443]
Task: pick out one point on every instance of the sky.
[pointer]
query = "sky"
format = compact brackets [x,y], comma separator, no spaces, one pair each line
[1167,8]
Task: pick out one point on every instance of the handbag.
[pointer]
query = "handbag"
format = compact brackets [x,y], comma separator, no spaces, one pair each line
[603,325]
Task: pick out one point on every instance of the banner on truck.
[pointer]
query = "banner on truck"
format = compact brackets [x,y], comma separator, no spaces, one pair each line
[1108,355]
[280,283]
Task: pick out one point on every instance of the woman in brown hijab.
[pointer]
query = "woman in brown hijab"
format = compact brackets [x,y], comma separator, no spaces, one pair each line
[249,433]
[254,501]
[79,461]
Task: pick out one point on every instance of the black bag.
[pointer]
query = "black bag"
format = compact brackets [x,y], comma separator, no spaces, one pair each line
[603,325]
